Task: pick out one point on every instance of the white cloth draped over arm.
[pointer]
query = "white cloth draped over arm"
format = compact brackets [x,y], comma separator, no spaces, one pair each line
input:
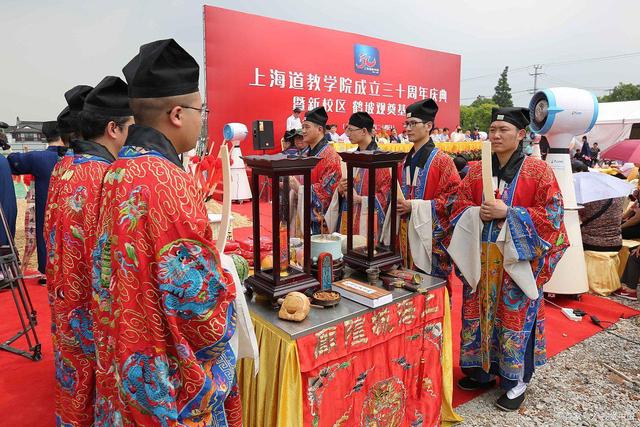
[386,225]
[243,342]
[465,248]
[332,215]
[420,234]
[301,208]
[364,216]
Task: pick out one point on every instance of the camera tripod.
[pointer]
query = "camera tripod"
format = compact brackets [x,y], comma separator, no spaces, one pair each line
[11,277]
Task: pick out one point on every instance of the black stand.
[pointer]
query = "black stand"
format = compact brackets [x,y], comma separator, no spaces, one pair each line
[11,278]
[271,283]
[266,184]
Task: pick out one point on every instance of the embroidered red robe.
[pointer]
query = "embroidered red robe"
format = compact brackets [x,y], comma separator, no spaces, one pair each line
[437,180]
[164,307]
[70,228]
[324,180]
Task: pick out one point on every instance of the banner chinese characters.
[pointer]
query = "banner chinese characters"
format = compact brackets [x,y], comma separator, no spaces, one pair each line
[261,68]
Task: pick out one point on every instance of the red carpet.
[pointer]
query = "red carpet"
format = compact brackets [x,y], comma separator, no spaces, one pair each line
[26,387]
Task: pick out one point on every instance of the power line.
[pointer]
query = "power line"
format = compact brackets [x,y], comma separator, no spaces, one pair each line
[599,59]
[560,63]
[488,97]
[514,70]
[566,82]
[535,77]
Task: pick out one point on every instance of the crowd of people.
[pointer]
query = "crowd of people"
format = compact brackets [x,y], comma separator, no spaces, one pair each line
[447,194]
[144,315]
[143,312]
[389,134]
[605,223]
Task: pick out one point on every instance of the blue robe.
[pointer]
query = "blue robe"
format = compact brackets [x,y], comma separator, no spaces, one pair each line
[39,164]
[7,200]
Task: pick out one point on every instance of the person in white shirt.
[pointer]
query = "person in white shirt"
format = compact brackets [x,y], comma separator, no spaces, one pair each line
[457,136]
[445,135]
[332,133]
[293,122]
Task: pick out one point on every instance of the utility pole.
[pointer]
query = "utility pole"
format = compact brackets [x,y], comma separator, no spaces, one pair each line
[535,75]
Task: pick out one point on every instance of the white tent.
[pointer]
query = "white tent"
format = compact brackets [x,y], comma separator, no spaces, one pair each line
[614,123]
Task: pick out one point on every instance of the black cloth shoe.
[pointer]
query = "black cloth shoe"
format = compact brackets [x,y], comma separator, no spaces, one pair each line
[510,405]
[469,384]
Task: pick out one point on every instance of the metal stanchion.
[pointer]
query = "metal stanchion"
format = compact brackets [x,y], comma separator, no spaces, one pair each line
[11,278]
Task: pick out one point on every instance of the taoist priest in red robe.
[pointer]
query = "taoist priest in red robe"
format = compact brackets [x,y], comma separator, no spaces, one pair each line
[71,219]
[165,309]
[506,250]
[428,179]
[326,175]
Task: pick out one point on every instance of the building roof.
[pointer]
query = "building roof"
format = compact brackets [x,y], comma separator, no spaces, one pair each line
[25,126]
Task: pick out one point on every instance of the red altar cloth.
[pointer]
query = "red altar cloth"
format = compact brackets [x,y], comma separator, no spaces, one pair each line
[382,368]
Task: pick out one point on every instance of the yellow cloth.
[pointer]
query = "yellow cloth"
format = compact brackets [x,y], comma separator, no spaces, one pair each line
[343,146]
[457,147]
[627,246]
[449,417]
[449,147]
[609,171]
[397,148]
[274,397]
[602,271]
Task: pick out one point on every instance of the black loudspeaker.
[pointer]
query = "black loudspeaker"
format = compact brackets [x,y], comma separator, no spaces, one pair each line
[263,135]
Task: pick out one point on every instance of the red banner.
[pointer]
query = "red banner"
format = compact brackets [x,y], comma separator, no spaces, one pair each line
[260,68]
[382,368]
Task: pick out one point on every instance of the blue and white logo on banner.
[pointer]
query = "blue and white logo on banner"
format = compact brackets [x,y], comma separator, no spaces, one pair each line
[366,59]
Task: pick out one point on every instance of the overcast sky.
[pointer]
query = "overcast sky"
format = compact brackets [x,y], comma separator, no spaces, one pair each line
[48,46]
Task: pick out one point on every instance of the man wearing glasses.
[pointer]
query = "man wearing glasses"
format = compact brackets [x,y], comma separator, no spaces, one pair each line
[326,174]
[428,178]
[360,130]
[164,308]
[71,219]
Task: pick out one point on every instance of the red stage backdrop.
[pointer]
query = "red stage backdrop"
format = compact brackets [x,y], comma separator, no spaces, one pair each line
[260,68]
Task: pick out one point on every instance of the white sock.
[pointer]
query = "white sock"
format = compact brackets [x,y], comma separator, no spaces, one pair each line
[517,390]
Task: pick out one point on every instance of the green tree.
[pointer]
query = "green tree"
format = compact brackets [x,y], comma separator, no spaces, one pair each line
[502,97]
[622,92]
[480,100]
[476,115]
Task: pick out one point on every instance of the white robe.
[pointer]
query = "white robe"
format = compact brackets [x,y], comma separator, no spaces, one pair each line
[243,341]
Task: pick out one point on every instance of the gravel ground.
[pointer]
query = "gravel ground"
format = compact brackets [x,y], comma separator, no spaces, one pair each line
[574,388]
